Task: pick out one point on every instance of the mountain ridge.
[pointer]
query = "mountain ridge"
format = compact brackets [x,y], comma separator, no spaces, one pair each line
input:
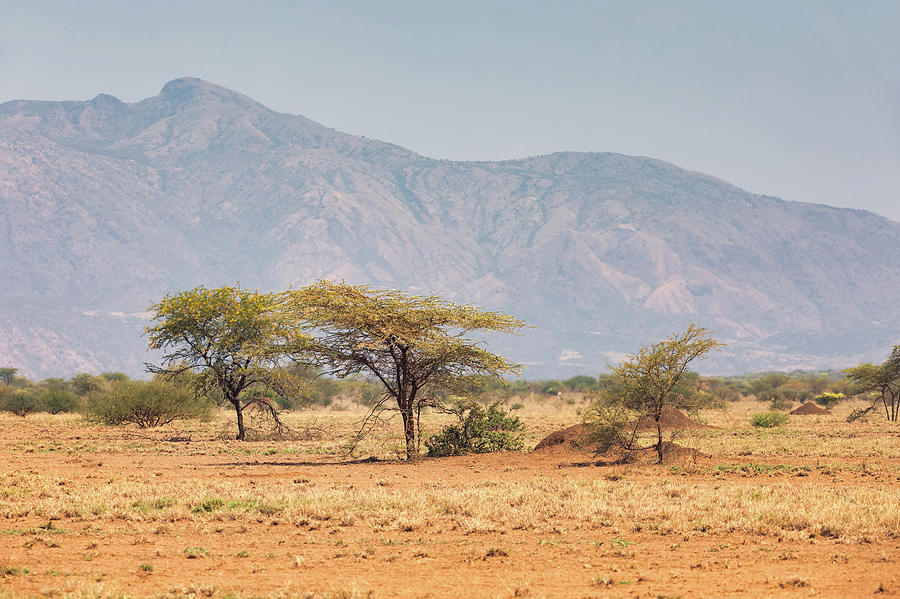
[107,206]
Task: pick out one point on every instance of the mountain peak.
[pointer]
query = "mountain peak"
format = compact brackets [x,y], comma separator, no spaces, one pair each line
[188,89]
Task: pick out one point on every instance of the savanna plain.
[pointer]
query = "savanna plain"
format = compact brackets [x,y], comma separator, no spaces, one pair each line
[809,508]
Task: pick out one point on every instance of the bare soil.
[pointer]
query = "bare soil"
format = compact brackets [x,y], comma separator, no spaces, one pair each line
[267,555]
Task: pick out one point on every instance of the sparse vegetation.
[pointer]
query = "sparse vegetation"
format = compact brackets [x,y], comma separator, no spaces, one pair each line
[768,419]
[479,430]
[146,404]
[641,387]
[415,346]
[229,337]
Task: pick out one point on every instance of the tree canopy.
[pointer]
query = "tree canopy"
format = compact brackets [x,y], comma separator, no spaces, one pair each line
[7,375]
[655,377]
[230,336]
[414,345]
[881,380]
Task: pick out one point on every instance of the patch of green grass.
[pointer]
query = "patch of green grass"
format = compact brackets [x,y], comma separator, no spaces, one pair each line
[768,419]
[194,552]
[753,468]
[158,504]
[213,504]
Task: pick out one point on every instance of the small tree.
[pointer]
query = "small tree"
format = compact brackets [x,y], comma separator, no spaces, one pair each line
[879,380]
[413,345]
[649,381]
[828,399]
[229,336]
[8,375]
[84,384]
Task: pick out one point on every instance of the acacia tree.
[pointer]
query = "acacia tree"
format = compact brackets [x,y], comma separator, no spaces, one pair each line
[230,337]
[882,380]
[8,375]
[413,345]
[650,380]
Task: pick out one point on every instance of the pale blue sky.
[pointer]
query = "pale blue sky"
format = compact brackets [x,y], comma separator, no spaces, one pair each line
[798,99]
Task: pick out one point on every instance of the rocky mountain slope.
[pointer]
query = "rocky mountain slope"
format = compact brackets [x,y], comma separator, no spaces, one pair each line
[106,206]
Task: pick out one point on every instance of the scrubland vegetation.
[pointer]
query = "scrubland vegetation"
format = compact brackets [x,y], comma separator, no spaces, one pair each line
[184,510]
[151,492]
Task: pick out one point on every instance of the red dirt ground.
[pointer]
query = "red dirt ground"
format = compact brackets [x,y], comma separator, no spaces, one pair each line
[286,559]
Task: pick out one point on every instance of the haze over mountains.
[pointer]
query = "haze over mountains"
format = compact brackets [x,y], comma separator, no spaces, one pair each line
[107,206]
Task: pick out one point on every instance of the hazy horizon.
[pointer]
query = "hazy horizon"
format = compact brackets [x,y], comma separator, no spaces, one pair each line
[789,100]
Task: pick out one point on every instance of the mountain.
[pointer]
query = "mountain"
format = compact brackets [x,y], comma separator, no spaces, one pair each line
[107,206]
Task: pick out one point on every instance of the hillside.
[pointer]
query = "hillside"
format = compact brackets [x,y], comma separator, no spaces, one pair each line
[106,206]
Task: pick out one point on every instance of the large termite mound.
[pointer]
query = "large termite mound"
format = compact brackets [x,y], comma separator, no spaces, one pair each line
[670,419]
[567,439]
[809,409]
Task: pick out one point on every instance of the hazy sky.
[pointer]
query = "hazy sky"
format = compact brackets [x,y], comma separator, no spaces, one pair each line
[797,99]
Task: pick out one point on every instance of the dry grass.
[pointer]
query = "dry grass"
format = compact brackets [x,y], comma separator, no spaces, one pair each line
[85,498]
[714,497]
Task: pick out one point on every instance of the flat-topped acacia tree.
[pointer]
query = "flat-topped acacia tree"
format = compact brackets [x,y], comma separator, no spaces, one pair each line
[414,345]
[231,337]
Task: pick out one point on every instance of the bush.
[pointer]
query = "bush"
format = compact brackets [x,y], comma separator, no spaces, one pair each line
[829,400]
[552,387]
[581,383]
[768,419]
[146,404]
[20,403]
[479,430]
[56,401]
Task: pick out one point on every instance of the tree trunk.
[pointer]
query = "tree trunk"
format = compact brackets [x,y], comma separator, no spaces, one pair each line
[659,441]
[240,419]
[409,431]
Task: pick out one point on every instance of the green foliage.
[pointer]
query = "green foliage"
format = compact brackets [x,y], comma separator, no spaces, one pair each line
[768,419]
[231,338]
[552,387]
[479,430]
[114,377]
[581,383]
[370,395]
[20,402]
[828,400]
[611,420]
[8,375]
[146,404]
[648,381]
[879,382]
[55,401]
[84,384]
[415,346]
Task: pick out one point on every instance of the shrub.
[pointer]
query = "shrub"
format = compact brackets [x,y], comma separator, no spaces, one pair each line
[552,387]
[115,377]
[768,419]
[20,403]
[479,430]
[581,383]
[146,404]
[55,401]
[370,395]
[84,384]
[828,400]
